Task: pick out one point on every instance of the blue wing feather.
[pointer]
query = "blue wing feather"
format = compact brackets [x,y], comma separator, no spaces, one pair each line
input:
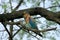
[33,24]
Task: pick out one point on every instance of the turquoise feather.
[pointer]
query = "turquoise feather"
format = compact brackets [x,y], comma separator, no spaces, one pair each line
[32,23]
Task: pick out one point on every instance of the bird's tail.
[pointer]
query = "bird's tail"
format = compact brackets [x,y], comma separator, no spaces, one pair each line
[39,34]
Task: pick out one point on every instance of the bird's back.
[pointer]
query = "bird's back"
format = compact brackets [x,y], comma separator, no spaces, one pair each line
[32,23]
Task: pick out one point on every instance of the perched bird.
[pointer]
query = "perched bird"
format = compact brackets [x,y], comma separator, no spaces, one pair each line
[29,20]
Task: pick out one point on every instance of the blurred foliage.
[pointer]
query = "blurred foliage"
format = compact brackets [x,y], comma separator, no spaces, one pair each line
[52,38]
[50,23]
[21,34]
[4,6]
[55,3]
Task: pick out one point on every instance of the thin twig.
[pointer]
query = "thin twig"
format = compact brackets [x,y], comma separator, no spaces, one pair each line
[17,5]
[53,6]
[10,4]
[16,32]
[43,3]
[6,28]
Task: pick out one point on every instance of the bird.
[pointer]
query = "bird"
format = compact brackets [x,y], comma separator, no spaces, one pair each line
[29,20]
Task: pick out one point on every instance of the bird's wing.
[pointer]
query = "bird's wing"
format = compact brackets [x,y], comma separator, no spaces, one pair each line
[33,20]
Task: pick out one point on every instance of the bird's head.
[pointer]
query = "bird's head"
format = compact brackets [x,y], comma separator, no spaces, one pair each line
[25,14]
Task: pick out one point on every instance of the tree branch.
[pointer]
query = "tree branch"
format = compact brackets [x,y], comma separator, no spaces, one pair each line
[6,28]
[29,29]
[32,11]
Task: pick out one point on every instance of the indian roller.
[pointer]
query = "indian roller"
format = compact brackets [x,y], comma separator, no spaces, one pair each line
[30,21]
